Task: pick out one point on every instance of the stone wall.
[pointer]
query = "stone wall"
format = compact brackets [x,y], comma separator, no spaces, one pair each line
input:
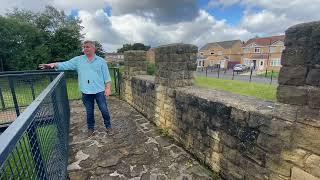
[238,136]
[299,77]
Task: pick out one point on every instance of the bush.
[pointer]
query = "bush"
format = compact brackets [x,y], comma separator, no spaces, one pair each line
[151,68]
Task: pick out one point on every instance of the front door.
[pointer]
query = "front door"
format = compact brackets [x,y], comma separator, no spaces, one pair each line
[222,62]
[254,64]
[261,65]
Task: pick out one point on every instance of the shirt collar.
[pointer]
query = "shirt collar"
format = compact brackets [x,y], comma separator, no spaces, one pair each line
[86,57]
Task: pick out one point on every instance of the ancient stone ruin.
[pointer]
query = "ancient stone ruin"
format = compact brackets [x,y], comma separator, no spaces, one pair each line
[237,136]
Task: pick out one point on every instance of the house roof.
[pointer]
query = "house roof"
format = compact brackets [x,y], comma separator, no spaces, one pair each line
[223,44]
[265,41]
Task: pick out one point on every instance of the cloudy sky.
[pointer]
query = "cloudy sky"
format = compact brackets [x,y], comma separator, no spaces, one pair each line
[156,22]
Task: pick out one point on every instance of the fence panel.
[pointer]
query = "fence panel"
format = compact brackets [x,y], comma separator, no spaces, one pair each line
[35,145]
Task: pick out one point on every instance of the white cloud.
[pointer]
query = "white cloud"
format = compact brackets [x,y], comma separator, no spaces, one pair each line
[33,5]
[97,26]
[266,22]
[162,11]
[205,28]
[155,22]
[223,3]
[272,16]
[86,5]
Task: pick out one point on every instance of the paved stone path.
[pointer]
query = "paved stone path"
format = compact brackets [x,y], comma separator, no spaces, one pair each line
[137,150]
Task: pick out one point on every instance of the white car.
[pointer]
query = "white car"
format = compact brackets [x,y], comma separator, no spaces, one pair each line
[240,68]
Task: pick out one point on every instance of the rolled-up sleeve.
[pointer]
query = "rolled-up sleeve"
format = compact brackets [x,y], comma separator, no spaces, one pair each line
[68,65]
[105,73]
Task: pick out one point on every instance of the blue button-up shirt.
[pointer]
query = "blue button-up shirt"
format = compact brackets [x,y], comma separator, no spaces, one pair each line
[92,75]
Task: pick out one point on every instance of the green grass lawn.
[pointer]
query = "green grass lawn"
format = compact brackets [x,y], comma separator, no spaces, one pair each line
[21,163]
[261,91]
[269,74]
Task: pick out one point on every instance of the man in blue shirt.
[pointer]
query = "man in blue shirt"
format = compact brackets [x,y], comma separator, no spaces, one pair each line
[94,82]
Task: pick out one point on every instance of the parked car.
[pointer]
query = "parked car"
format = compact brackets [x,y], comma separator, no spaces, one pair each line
[241,68]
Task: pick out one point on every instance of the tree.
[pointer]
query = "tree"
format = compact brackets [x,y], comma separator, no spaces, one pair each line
[135,46]
[29,38]
[99,49]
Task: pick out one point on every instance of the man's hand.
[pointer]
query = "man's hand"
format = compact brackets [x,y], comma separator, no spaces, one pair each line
[47,66]
[108,90]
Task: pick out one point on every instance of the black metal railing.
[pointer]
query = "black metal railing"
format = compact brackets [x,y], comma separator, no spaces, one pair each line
[35,145]
[19,88]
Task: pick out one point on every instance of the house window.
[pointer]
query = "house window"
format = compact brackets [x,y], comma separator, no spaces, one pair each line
[257,50]
[276,62]
[201,53]
[247,62]
[212,53]
[261,63]
[199,63]
[273,49]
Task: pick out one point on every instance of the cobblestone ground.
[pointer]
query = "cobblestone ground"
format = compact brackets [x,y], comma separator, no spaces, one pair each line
[137,150]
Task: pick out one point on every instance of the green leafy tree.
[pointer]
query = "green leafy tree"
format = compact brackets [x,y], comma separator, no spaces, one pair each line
[99,49]
[29,38]
[135,46]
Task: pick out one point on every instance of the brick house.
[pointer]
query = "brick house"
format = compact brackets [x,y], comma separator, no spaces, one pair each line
[263,53]
[220,54]
[115,58]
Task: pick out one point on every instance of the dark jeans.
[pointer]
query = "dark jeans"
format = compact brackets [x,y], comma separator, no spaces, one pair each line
[88,101]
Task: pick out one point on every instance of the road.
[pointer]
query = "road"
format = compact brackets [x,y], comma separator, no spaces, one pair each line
[239,77]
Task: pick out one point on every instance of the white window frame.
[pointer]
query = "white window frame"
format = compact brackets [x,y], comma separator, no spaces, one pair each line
[275,62]
[257,48]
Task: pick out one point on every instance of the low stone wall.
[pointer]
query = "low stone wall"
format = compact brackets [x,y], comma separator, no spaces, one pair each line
[237,136]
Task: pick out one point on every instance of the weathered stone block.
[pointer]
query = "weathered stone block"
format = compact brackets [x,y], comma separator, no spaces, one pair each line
[294,156]
[292,75]
[313,165]
[257,120]
[314,97]
[280,128]
[253,170]
[228,140]
[299,35]
[274,176]
[239,116]
[299,174]
[285,111]
[313,77]
[278,166]
[294,56]
[307,137]
[296,95]
[309,116]
[270,143]
[231,171]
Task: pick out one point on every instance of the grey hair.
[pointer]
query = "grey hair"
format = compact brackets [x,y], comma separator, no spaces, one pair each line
[89,42]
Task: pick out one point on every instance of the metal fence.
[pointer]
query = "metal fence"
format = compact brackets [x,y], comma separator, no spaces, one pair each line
[35,145]
[249,75]
[19,89]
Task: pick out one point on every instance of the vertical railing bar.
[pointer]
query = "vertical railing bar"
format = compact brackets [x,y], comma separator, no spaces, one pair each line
[32,90]
[14,97]
[2,100]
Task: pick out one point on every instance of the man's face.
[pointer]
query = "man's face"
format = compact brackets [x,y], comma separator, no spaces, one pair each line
[88,49]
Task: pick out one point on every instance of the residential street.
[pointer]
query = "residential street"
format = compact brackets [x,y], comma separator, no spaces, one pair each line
[238,77]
